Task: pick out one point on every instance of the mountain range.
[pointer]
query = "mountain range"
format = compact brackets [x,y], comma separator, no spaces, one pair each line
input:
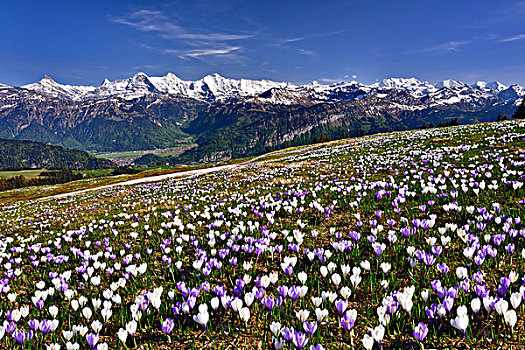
[232,118]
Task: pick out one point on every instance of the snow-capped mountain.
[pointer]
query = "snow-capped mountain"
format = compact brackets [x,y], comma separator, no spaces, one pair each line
[451,84]
[492,86]
[143,112]
[411,85]
[215,88]
[49,87]
[210,88]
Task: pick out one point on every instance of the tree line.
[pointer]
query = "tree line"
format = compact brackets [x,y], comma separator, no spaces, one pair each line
[451,122]
[46,177]
[520,111]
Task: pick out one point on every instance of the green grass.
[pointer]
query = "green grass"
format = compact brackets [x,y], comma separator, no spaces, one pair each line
[173,151]
[104,178]
[31,173]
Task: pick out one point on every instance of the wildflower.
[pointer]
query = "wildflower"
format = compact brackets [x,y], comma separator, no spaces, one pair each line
[167,326]
[336,279]
[268,302]
[461,321]
[475,304]
[102,346]
[92,339]
[244,313]
[309,328]
[378,333]
[515,299]
[19,336]
[96,325]
[302,315]
[275,327]
[347,321]
[122,335]
[278,343]
[202,317]
[420,332]
[341,306]
[299,339]
[510,318]
[368,342]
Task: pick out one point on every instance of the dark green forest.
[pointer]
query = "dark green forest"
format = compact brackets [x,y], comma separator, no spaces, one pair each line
[21,154]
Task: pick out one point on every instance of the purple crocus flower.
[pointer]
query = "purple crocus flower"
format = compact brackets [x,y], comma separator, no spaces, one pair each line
[420,332]
[347,322]
[453,292]
[92,339]
[431,312]
[279,301]
[288,333]
[465,285]
[448,303]
[481,290]
[219,291]
[167,326]
[341,306]
[34,324]
[294,293]
[20,337]
[260,293]
[283,291]
[435,284]
[10,327]
[317,347]
[45,326]
[299,339]
[309,328]
[268,302]
[177,308]
[442,268]
[405,231]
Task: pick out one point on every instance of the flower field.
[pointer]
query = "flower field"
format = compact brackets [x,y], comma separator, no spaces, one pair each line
[403,240]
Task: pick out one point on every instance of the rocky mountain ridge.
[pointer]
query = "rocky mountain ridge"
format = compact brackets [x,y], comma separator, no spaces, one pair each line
[233,118]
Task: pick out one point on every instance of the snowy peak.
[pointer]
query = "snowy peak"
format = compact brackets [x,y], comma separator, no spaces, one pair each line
[216,88]
[135,87]
[223,88]
[451,84]
[413,86]
[496,86]
[492,86]
[49,87]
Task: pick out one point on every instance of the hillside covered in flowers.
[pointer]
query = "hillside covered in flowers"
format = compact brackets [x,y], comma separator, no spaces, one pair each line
[402,240]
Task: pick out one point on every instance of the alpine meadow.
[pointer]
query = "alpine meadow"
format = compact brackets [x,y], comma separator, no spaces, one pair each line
[331,188]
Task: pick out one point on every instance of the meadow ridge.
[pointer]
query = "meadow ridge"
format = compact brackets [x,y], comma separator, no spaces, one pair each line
[402,240]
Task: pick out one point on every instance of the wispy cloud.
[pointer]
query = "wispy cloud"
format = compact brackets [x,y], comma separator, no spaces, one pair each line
[215,36]
[329,80]
[307,52]
[289,40]
[201,43]
[512,38]
[168,28]
[148,21]
[449,46]
[202,52]
[290,43]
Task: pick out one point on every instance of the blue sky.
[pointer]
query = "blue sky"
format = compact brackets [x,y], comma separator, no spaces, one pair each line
[83,42]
